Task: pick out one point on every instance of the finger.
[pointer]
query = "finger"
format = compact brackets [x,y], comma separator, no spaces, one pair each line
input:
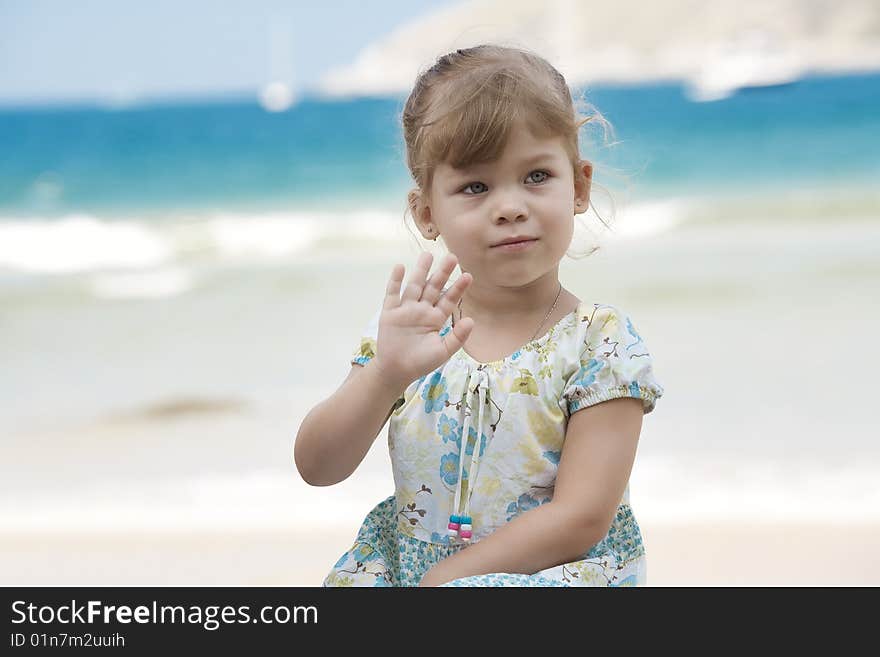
[392,290]
[449,301]
[455,339]
[434,285]
[416,283]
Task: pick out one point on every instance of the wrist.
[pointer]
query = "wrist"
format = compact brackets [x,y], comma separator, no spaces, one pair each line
[385,379]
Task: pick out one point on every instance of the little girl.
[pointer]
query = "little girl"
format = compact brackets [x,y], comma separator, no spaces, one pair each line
[515,406]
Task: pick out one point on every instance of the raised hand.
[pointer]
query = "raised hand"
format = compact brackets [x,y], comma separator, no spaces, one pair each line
[409,344]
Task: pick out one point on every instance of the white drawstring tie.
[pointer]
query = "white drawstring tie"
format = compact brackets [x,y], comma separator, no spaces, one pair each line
[460,523]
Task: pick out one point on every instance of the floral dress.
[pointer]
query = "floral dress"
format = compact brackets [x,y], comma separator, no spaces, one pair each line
[517,410]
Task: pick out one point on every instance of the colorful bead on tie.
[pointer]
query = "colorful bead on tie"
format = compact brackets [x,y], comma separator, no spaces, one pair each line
[454,524]
[464,532]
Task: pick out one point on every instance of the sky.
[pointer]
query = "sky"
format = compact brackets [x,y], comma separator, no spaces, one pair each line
[60,51]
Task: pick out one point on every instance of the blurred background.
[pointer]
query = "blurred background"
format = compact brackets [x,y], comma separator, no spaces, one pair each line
[200,208]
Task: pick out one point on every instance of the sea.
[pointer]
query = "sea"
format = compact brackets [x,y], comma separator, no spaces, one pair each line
[181,282]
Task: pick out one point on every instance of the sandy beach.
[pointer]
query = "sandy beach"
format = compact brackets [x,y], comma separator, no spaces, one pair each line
[735,482]
[681,555]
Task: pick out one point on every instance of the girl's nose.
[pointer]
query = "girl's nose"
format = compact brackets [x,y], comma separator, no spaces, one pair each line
[510,208]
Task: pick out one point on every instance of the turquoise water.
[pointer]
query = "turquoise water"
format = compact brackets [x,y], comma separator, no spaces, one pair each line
[341,155]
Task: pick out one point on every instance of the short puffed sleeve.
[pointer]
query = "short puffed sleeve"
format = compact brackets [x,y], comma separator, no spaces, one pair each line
[367,347]
[366,351]
[614,362]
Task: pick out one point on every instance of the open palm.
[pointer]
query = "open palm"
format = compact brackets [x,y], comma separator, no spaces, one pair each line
[409,344]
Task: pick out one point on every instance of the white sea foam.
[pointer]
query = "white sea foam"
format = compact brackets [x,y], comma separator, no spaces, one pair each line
[649,218]
[78,243]
[238,237]
[83,243]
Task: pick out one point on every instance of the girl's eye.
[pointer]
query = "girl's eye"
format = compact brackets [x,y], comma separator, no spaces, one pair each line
[543,175]
[479,188]
[474,184]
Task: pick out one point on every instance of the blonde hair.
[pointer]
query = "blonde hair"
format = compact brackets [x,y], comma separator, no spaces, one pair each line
[461,110]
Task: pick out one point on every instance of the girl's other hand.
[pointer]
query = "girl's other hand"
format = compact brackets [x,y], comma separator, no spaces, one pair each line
[409,344]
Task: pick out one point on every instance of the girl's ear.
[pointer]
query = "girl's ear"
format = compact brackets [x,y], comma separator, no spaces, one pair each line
[583,182]
[421,214]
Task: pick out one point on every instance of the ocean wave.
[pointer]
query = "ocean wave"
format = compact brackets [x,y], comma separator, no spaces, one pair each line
[77,243]
[649,218]
[170,255]
[82,243]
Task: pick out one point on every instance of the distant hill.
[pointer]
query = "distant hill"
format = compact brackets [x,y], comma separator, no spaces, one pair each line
[716,46]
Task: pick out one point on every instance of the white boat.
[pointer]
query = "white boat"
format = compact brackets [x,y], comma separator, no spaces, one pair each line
[751,65]
[277,95]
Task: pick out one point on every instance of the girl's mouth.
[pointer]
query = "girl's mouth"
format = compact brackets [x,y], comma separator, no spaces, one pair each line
[515,246]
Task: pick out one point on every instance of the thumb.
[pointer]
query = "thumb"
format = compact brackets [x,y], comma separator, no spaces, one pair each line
[459,335]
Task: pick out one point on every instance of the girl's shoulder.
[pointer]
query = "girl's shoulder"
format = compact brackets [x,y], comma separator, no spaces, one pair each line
[598,316]
[590,318]
[593,329]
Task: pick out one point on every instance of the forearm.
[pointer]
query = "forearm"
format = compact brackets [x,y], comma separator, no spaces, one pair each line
[540,538]
[336,435]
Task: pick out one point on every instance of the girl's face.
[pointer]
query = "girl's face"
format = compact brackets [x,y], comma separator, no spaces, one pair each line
[528,192]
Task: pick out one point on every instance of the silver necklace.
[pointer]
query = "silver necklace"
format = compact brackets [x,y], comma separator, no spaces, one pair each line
[550,312]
